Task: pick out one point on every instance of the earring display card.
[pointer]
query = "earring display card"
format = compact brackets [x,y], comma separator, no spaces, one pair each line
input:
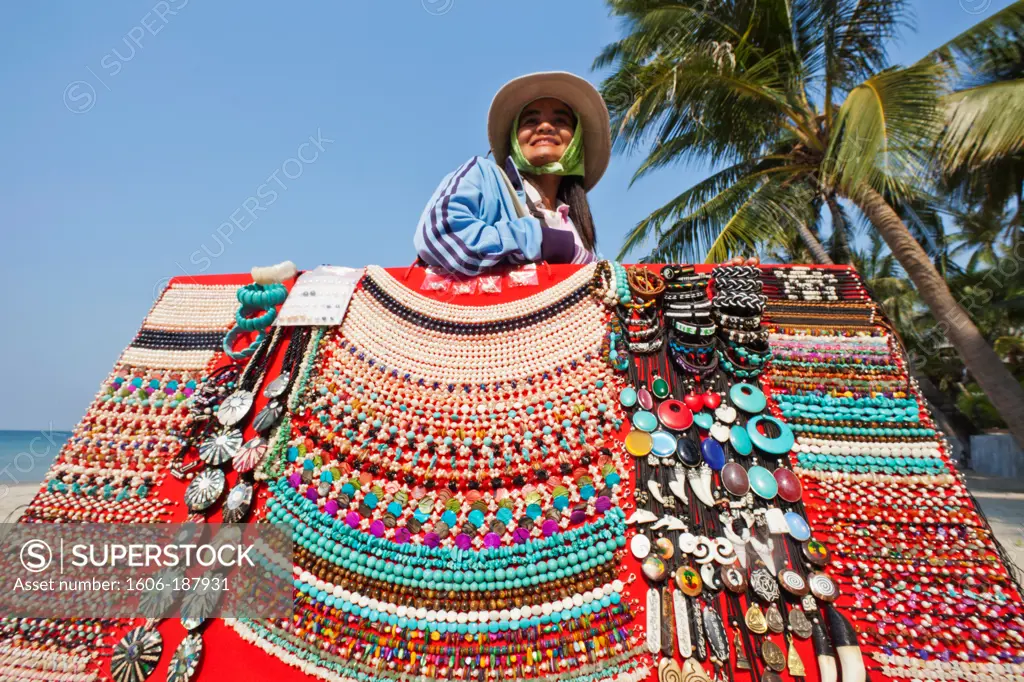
[320,297]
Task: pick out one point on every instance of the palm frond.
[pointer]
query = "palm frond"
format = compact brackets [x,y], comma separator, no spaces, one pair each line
[982,125]
[882,129]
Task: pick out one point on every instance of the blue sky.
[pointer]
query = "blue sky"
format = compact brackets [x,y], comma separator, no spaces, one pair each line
[134,130]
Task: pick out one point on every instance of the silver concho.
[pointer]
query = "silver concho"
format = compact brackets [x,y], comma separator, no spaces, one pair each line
[220,447]
[276,387]
[235,407]
[136,655]
[204,489]
[238,503]
[185,659]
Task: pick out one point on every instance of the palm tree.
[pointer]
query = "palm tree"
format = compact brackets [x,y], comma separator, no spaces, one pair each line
[795,102]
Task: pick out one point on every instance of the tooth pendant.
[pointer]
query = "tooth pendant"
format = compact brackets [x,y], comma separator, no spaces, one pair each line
[655,489]
[700,483]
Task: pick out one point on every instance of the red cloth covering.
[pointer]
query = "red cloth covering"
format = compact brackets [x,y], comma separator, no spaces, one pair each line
[227,657]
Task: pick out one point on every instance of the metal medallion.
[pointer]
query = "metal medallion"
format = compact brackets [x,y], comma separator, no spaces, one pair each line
[278,386]
[799,624]
[238,503]
[220,447]
[235,407]
[204,490]
[250,455]
[773,655]
[268,416]
[755,620]
[185,659]
[774,619]
[136,655]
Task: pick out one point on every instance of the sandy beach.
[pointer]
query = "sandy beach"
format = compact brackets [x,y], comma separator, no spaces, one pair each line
[14,499]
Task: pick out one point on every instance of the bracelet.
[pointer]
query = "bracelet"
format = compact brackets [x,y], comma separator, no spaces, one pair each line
[693,329]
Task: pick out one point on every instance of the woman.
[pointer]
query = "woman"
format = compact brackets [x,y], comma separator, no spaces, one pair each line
[551,142]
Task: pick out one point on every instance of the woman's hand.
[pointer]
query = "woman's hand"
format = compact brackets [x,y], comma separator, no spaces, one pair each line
[739,260]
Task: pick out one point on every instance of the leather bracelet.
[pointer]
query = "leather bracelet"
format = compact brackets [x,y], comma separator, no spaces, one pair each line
[693,329]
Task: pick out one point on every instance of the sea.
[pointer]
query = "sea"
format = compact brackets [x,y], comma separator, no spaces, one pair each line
[26,456]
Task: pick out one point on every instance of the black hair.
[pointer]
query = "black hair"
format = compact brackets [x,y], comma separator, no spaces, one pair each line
[571,193]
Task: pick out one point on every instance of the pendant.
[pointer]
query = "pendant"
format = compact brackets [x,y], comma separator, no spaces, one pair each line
[654,569]
[678,486]
[697,633]
[250,455]
[235,407]
[655,489]
[653,620]
[755,620]
[693,672]
[725,414]
[157,603]
[844,637]
[815,552]
[764,585]
[704,551]
[735,579]
[639,517]
[640,546]
[794,662]
[268,416]
[204,490]
[639,443]
[793,582]
[668,637]
[774,619]
[185,659]
[644,397]
[278,386]
[220,447]
[711,581]
[725,553]
[659,387]
[799,623]
[822,586]
[689,581]
[700,484]
[669,671]
[718,640]
[664,548]
[773,656]
[764,551]
[742,662]
[682,624]
[136,655]
[238,503]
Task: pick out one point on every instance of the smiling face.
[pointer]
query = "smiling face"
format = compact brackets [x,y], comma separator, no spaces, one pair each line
[546,126]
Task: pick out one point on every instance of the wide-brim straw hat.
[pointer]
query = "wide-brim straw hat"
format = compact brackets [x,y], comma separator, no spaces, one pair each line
[582,97]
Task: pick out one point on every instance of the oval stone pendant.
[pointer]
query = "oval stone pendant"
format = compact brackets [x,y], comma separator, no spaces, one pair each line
[643,396]
[688,452]
[734,478]
[660,388]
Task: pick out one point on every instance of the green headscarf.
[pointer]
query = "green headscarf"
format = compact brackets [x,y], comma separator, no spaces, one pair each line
[571,162]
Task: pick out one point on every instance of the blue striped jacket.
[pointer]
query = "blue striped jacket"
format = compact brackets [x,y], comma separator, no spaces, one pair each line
[470,223]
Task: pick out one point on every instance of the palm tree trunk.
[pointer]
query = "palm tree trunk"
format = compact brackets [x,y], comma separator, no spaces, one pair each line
[985,366]
[840,239]
[818,252]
